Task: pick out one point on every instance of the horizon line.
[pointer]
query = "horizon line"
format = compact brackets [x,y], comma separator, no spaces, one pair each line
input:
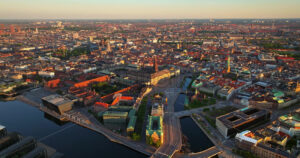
[152,18]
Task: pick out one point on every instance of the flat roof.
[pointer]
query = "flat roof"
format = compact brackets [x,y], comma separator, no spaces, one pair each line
[240,116]
[115,113]
[56,99]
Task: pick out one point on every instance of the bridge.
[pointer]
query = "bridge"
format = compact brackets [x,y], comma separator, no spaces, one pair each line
[210,152]
[189,112]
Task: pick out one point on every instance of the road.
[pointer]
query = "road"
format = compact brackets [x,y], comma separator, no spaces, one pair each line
[220,104]
[172,130]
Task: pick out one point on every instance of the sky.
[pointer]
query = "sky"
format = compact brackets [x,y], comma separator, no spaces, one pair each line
[148,9]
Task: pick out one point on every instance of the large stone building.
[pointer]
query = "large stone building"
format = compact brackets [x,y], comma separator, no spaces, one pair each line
[289,124]
[155,125]
[262,144]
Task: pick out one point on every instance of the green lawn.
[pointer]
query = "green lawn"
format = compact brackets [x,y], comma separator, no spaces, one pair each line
[220,111]
[140,117]
[202,103]
[104,88]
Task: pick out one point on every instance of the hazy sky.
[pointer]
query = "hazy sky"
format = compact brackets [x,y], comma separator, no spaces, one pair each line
[142,9]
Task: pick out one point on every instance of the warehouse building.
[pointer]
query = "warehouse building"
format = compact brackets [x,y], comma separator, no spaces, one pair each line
[237,121]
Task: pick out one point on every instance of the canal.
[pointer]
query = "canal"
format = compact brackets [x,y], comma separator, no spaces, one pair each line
[179,104]
[70,139]
[196,138]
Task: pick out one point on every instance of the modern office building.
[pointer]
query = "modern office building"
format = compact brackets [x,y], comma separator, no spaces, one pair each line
[3,131]
[9,140]
[19,149]
[38,152]
[57,103]
[13,145]
[234,122]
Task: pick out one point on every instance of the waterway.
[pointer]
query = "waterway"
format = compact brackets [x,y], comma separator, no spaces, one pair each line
[70,139]
[179,104]
[196,137]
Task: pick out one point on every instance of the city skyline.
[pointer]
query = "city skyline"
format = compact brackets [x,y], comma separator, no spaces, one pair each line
[133,9]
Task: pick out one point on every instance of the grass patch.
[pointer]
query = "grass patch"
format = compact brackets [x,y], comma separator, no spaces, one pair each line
[202,103]
[141,116]
[202,125]
[220,111]
[211,121]
[104,88]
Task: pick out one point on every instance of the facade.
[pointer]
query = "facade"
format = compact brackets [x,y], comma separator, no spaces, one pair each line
[229,124]
[258,144]
[57,103]
[114,117]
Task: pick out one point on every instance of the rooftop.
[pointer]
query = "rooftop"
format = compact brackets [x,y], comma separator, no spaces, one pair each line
[56,99]
[241,116]
[115,113]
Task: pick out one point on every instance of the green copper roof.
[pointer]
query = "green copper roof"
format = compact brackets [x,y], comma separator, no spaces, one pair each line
[131,123]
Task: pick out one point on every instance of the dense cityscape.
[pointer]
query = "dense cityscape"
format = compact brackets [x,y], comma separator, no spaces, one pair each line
[159,88]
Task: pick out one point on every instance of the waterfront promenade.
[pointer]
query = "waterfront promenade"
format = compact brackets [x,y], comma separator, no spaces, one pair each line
[87,120]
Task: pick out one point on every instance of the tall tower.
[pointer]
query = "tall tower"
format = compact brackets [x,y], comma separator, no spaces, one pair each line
[155,64]
[228,64]
[2,26]
[108,46]
[12,29]
[18,29]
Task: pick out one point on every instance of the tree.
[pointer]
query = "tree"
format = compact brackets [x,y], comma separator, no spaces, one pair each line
[136,136]
[155,137]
